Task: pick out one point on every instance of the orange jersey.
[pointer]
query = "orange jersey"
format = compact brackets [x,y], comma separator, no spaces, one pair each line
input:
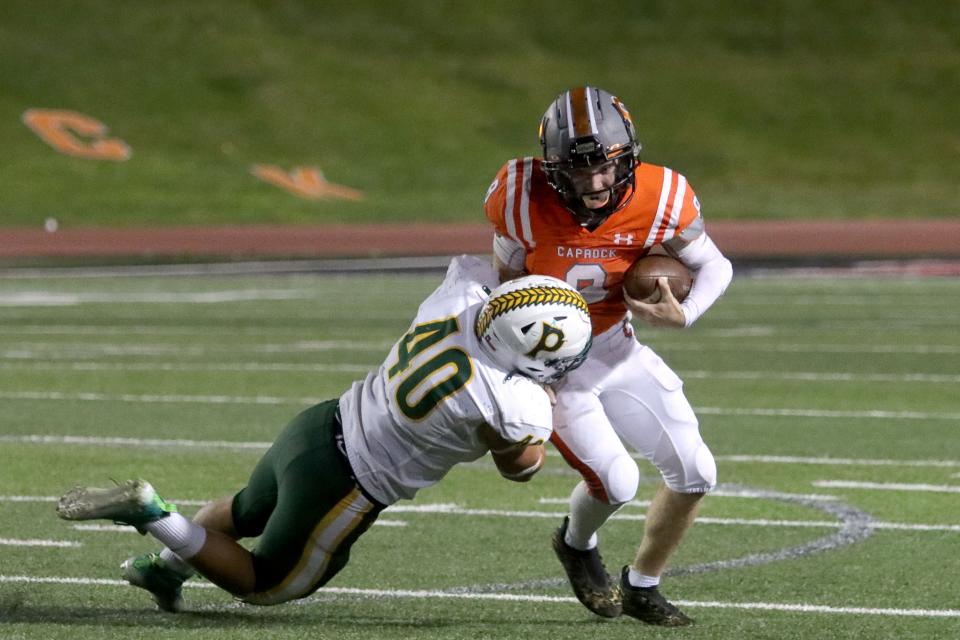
[523,206]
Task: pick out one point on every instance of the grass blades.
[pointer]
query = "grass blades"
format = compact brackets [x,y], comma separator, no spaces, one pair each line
[829,403]
[771,109]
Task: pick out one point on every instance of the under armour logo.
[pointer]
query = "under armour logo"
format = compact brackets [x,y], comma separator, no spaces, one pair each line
[627,239]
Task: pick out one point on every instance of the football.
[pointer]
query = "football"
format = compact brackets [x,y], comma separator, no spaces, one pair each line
[640,280]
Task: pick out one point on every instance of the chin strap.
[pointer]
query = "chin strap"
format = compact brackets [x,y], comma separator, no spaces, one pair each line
[590,218]
[593,218]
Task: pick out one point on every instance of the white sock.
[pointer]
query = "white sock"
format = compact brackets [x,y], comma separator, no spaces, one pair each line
[587,514]
[638,579]
[176,564]
[183,537]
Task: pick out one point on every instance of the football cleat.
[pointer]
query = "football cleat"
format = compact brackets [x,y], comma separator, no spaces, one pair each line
[151,573]
[646,604]
[588,577]
[134,503]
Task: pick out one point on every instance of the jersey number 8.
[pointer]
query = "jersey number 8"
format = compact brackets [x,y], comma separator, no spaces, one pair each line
[589,280]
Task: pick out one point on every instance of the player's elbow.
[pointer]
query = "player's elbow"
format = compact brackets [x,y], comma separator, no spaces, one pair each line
[521,476]
[718,273]
[725,269]
[523,466]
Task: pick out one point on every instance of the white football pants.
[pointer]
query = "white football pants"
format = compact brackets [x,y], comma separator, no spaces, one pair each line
[624,393]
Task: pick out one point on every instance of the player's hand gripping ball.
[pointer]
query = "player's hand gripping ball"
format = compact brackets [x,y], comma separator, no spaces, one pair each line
[640,280]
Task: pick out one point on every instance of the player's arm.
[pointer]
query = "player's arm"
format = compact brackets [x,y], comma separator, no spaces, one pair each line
[509,257]
[711,271]
[517,461]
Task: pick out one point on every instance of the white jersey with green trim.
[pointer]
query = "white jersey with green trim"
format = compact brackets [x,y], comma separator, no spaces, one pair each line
[407,423]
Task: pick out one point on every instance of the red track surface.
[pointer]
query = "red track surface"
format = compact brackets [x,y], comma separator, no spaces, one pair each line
[773,239]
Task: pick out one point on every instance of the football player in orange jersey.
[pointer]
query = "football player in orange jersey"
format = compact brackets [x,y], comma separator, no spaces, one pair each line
[584,212]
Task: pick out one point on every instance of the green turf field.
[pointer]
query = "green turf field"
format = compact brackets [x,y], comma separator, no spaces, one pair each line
[830,403]
[771,109]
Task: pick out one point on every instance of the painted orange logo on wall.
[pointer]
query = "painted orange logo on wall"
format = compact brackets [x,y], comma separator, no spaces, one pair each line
[305,182]
[76,134]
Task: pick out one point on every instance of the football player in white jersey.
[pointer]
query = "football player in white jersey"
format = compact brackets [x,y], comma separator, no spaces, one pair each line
[468,377]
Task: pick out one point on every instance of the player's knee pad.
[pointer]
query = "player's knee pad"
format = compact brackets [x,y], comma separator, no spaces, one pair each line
[622,479]
[706,467]
[699,472]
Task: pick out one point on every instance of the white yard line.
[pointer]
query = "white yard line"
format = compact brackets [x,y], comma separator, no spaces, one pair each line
[46,352]
[151,398]
[632,503]
[113,330]
[887,486]
[821,376]
[797,376]
[875,414]
[19,542]
[747,347]
[811,608]
[118,528]
[59,299]
[720,493]
[135,330]
[103,528]
[453,509]
[840,462]
[238,367]
[237,444]
[881,300]
[512,597]
[59,349]
[97,441]
[870,414]
[444,508]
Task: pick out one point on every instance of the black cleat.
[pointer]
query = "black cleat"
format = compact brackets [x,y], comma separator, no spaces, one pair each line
[588,577]
[646,604]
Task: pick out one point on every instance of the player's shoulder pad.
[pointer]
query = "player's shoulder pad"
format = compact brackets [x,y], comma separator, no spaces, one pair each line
[498,184]
[692,231]
[495,199]
[465,270]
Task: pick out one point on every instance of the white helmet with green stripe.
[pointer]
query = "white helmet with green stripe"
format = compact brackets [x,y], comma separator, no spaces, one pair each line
[535,326]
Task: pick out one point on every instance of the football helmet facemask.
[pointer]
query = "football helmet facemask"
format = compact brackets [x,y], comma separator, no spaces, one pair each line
[535,326]
[587,131]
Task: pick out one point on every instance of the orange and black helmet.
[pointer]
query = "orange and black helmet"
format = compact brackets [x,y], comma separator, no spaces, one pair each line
[588,127]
